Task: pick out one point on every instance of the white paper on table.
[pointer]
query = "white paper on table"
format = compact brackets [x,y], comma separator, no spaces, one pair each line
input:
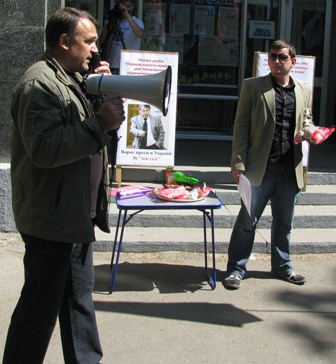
[244,188]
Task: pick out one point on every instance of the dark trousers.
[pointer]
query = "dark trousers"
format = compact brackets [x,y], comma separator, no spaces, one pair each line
[278,186]
[153,146]
[59,279]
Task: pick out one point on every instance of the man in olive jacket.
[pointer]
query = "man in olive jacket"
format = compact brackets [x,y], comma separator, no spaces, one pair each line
[271,110]
[59,181]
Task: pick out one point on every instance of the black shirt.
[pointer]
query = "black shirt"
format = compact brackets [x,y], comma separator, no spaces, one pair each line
[282,150]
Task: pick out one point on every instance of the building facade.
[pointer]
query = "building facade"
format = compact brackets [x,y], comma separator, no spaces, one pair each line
[216,41]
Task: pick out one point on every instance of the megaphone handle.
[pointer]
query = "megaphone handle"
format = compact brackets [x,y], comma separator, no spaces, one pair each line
[112,147]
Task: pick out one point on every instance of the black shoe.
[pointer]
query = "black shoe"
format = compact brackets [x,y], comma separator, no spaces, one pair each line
[233,281]
[292,277]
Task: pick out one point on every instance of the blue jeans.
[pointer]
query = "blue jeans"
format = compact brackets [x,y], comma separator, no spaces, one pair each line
[59,279]
[278,186]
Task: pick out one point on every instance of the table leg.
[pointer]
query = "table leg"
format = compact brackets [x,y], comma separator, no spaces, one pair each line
[114,266]
[211,278]
[118,240]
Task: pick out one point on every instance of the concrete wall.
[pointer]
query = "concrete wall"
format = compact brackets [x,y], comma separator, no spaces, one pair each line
[21,42]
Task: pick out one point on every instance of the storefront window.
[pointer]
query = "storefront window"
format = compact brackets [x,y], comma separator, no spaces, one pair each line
[216,41]
[87,5]
[205,36]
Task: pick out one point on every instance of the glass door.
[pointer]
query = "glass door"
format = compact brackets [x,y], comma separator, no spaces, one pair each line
[308,24]
[311,25]
[261,28]
[307,33]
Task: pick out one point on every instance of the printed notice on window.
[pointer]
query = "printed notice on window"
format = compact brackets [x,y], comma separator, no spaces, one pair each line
[179,19]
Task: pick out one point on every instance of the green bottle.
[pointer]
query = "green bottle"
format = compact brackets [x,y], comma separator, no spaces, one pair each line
[182,178]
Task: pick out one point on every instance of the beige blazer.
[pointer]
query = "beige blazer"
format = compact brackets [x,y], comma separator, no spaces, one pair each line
[254,127]
[156,127]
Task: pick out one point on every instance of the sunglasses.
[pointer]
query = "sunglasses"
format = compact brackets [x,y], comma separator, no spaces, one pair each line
[281,57]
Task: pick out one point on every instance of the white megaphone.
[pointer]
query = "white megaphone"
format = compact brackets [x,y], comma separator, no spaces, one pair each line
[152,89]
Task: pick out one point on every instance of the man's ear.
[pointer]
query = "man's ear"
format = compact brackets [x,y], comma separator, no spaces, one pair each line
[64,41]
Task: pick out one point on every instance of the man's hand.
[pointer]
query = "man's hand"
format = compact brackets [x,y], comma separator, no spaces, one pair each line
[139,33]
[113,113]
[123,9]
[141,133]
[104,67]
[236,174]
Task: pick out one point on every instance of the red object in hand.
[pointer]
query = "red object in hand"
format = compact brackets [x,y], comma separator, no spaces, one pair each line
[321,134]
[314,134]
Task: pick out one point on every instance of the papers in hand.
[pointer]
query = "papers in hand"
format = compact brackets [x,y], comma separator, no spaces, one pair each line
[244,188]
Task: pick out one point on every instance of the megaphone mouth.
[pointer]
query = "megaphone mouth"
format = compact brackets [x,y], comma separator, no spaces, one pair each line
[154,89]
[167,90]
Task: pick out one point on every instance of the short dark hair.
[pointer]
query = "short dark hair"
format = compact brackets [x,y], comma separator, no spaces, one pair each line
[65,21]
[280,43]
[146,106]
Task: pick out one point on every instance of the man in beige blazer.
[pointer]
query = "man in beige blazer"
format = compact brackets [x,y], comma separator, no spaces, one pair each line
[271,110]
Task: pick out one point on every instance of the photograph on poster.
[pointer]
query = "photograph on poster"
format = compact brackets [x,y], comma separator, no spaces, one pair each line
[145,147]
[146,128]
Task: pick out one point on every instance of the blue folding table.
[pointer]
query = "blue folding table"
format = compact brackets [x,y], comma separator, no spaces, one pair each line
[151,202]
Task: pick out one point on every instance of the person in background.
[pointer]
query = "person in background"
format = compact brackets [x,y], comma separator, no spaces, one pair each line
[271,110]
[59,181]
[123,31]
[147,129]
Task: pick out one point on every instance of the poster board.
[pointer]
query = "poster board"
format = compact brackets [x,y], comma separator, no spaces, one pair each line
[144,63]
[303,70]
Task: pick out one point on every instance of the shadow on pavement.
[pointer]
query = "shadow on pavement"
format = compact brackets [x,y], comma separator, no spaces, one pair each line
[317,304]
[167,278]
[202,312]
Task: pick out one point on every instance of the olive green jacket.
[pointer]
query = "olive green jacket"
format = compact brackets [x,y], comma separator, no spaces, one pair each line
[54,134]
[254,127]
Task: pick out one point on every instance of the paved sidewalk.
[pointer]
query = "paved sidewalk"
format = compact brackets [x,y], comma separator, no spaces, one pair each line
[163,311]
